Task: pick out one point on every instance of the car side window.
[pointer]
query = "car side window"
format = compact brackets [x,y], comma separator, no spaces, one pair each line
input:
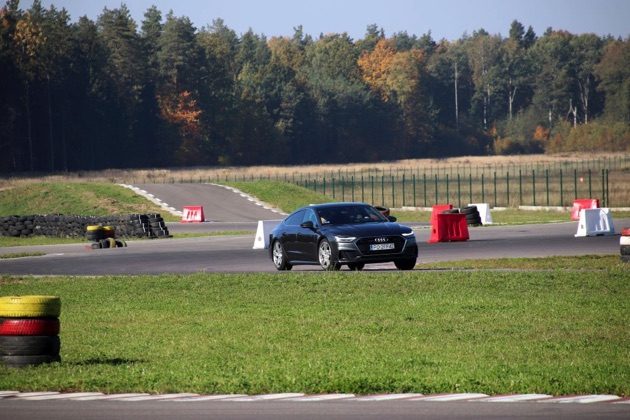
[309,216]
[295,219]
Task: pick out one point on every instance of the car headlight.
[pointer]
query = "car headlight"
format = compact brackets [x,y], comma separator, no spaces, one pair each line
[408,234]
[345,239]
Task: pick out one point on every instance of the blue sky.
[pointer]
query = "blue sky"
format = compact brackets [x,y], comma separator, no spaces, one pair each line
[444,18]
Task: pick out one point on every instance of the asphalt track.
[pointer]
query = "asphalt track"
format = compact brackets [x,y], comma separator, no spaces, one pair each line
[235,254]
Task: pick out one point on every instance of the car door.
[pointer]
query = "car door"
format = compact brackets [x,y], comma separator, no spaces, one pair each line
[307,238]
[289,236]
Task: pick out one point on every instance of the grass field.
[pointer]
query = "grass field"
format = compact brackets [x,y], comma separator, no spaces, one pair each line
[493,331]
[89,199]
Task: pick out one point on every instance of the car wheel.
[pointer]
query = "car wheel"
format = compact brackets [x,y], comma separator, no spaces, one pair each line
[279,258]
[405,264]
[325,257]
[356,266]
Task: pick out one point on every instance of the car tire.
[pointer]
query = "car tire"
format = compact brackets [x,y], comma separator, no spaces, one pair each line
[325,257]
[405,264]
[279,257]
[356,266]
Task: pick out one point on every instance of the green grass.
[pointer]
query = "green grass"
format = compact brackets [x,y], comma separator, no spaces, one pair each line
[21,254]
[283,195]
[586,262]
[88,199]
[557,332]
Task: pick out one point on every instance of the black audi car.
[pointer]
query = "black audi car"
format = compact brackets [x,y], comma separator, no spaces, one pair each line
[336,234]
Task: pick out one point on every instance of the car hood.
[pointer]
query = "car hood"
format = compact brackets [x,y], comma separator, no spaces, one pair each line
[366,229]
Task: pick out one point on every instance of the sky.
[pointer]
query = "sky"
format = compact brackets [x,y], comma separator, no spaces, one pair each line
[448,19]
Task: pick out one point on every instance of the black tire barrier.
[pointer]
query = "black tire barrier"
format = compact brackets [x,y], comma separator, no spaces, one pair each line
[470,210]
[22,361]
[29,330]
[91,228]
[625,258]
[451,211]
[29,345]
[624,249]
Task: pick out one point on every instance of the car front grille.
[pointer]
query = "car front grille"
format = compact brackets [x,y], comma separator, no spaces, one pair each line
[364,244]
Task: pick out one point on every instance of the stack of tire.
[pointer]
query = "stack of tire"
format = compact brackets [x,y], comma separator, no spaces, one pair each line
[103,237]
[157,226]
[472,215]
[624,245]
[29,330]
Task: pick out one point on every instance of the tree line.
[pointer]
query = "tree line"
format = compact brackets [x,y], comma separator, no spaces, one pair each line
[114,93]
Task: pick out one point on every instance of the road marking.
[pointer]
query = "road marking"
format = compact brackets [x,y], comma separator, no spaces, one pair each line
[208,397]
[387,397]
[516,398]
[109,396]
[324,397]
[62,396]
[264,397]
[156,397]
[33,394]
[583,399]
[451,397]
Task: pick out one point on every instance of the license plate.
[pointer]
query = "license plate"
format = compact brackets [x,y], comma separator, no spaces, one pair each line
[382,247]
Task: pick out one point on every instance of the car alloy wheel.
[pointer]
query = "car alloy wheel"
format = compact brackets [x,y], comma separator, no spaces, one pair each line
[279,259]
[326,258]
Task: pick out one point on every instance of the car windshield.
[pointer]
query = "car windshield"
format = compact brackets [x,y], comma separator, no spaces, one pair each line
[342,215]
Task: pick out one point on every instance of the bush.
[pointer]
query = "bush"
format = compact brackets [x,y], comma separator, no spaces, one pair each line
[594,137]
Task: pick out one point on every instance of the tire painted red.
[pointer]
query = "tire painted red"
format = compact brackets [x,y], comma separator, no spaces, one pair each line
[625,231]
[29,326]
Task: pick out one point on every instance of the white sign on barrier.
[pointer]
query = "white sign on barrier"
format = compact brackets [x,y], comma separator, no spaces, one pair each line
[595,222]
[261,241]
[484,212]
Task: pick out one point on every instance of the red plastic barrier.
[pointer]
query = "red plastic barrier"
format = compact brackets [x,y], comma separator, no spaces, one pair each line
[583,204]
[437,209]
[193,214]
[449,228]
[625,231]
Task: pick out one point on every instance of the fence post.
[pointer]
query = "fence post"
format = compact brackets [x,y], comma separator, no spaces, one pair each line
[459,191]
[447,190]
[424,183]
[483,188]
[534,186]
[372,182]
[607,191]
[362,190]
[352,186]
[343,188]
[403,190]
[436,188]
[575,190]
[590,185]
[470,194]
[507,182]
[333,187]
[393,193]
[547,184]
[383,190]
[561,188]
[520,187]
[414,189]
[495,187]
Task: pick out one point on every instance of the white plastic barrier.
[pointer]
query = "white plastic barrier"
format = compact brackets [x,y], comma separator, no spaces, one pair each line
[484,212]
[262,233]
[595,222]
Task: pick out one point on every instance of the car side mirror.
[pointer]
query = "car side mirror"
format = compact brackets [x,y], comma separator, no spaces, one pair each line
[391,218]
[308,225]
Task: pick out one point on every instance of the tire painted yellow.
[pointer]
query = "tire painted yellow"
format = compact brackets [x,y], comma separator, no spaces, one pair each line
[29,306]
[92,228]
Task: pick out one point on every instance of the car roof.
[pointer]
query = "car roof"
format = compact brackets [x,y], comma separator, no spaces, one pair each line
[336,204]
